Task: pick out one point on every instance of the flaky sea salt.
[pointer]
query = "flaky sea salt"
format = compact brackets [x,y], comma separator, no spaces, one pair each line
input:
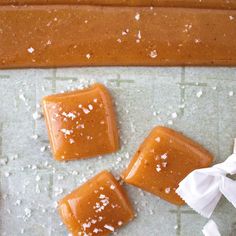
[158,139]
[7,174]
[37,178]
[137,17]
[153,54]
[164,156]
[30,50]
[35,136]
[158,168]
[43,149]
[3,161]
[109,227]
[174,115]
[86,111]
[66,131]
[167,190]
[36,115]
[88,56]
[28,212]
[90,107]
[199,93]
[112,187]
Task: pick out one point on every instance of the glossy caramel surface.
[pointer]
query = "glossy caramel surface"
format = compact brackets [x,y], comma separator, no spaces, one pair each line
[81,123]
[75,35]
[164,159]
[97,207]
[218,4]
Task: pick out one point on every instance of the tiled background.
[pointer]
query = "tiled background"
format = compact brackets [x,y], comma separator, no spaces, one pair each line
[32,182]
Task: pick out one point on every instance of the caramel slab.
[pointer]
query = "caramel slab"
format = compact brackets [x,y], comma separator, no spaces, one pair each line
[164,159]
[53,36]
[81,123]
[96,208]
[217,4]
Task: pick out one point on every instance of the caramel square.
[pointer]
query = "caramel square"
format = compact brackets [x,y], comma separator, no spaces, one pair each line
[164,159]
[98,207]
[81,123]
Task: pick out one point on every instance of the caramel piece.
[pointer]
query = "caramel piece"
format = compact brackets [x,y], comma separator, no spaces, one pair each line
[164,159]
[216,4]
[81,123]
[98,207]
[68,35]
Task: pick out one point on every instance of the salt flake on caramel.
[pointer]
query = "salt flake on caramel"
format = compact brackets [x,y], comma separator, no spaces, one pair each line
[98,207]
[164,159]
[81,123]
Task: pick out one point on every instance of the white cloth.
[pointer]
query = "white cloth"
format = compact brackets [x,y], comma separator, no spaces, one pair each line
[211,229]
[203,188]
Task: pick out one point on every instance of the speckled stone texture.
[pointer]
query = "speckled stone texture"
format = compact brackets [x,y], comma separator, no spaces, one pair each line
[31,181]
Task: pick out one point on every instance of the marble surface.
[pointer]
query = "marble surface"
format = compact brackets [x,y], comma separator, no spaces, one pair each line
[204,100]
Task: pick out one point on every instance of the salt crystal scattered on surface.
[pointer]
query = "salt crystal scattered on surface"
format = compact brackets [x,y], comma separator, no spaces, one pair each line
[158,139]
[17,202]
[66,131]
[112,187]
[199,93]
[58,191]
[60,177]
[71,141]
[174,115]
[28,212]
[86,111]
[109,227]
[164,156]
[231,17]
[90,107]
[22,97]
[231,93]
[120,223]
[30,50]
[88,56]
[158,168]
[167,190]
[153,54]
[43,149]
[69,115]
[37,178]
[7,174]
[164,164]
[37,115]
[35,136]
[3,161]
[137,17]
[74,172]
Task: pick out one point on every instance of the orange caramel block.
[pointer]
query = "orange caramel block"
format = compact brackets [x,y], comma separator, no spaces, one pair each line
[98,207]
[83,35]
[164,159]
[81,123]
